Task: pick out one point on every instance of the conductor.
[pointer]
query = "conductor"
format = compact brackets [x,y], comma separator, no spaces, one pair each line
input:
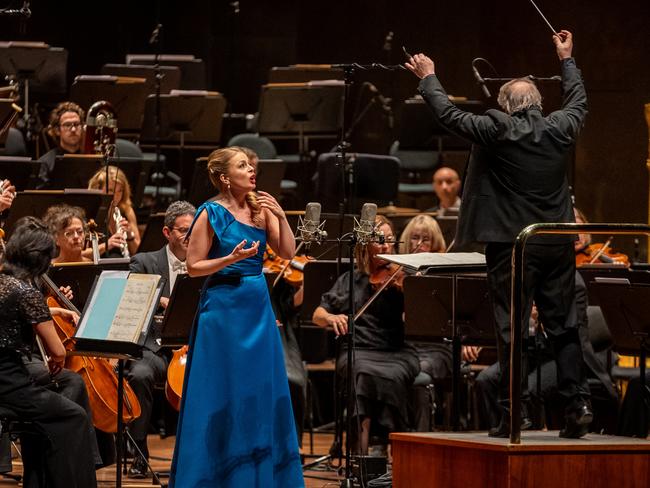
[516,176]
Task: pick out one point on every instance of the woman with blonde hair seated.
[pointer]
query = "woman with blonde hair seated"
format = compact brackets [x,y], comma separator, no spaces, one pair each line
[423,234]
[121,206]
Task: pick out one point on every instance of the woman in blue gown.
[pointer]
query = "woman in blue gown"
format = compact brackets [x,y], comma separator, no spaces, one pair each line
[236,427]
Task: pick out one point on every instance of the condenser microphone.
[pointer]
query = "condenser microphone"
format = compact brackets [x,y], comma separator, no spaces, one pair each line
[310,228]
[480,81]
[364,228]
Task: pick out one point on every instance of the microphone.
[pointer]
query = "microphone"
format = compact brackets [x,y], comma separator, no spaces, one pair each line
[383,102]
[310,228]
[480,81]
[364,228]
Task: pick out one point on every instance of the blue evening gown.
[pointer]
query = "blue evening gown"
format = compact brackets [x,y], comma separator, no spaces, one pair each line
[236,426]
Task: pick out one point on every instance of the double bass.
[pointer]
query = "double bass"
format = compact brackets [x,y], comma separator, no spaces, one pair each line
[97,373]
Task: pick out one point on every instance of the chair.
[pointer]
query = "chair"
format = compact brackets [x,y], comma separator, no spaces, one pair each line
[414,162]
[130,150]
[374,179]
[14,144]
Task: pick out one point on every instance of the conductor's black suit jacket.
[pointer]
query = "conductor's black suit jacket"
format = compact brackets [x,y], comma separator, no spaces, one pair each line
[516,174]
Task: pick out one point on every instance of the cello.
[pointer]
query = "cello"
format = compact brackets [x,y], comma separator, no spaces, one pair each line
[97,373]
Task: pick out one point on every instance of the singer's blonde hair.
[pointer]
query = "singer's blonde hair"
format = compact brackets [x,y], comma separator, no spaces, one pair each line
[361,251]
[219,162]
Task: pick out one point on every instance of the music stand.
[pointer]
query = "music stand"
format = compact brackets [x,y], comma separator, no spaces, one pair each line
[185,117]
[35,202]
[368,178]
[152,237]
[171,75]
[126,95]
[193,74]
[103,314]
[21,171]
[80,277]
[302,73]
[181,309]
[625,308]
[453,264]
[591,272]
[298,110]
[36,66]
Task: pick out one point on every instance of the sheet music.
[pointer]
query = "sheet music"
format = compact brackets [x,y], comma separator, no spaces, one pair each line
[133,308]
[424,260]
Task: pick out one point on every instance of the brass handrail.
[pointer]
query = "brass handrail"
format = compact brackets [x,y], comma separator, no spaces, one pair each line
[516,303]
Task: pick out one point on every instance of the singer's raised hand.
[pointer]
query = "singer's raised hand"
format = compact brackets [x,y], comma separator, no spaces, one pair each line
[563,44]
[266,200]
[240,252]
[421,66]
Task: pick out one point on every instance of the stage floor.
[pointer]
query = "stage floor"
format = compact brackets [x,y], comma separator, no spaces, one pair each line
[542,460]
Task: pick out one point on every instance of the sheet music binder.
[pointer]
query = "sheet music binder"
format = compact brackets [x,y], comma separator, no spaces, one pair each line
[119,314]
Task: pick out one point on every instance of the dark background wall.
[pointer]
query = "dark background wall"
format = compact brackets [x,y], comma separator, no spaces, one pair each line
[612,48]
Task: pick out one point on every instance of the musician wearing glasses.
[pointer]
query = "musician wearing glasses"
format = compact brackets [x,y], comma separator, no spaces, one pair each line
[67,130]
[68,227]
[168,262]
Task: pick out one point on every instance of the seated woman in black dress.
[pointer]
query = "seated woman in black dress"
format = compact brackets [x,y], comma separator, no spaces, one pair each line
[384,366]
[62,456]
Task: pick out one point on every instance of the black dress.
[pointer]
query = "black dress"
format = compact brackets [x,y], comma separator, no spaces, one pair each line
[61,454]
[384,365]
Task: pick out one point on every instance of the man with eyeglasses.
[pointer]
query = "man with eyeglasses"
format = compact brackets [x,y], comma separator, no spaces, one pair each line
[67,129]
[168,262]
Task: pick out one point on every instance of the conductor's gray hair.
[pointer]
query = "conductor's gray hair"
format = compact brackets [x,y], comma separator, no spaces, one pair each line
[519,94]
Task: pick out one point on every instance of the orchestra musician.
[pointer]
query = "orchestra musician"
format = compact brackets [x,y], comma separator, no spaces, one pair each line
[385,365]
[143,374]
[446,186]
[66,458]
[516,176]
[423,234]
[66,127]
[69,228]
[119,187]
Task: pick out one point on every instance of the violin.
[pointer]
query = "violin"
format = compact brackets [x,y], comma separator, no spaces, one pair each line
[176,377]
[389,275]
[601,254]
[97,373]
[289,269]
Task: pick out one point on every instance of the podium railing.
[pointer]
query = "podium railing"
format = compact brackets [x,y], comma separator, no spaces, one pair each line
[516,302]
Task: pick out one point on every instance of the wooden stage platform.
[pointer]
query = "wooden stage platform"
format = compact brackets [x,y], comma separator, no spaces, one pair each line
[542,460]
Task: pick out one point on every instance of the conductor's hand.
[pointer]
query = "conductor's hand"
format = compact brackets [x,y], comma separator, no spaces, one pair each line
[421,66]
[339,323]
[563,44]
[240,252]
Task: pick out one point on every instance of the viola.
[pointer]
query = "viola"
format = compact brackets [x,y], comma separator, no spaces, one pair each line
[291,270]
[176,377]
[97,373]
[601,254]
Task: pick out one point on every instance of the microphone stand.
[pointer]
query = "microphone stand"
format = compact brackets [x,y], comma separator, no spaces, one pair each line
[347,180]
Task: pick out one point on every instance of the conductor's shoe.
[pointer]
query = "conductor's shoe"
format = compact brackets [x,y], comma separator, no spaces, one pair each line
[138,469]
[577,421]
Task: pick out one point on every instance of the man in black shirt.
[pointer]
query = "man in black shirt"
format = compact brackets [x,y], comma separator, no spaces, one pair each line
[516,176]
